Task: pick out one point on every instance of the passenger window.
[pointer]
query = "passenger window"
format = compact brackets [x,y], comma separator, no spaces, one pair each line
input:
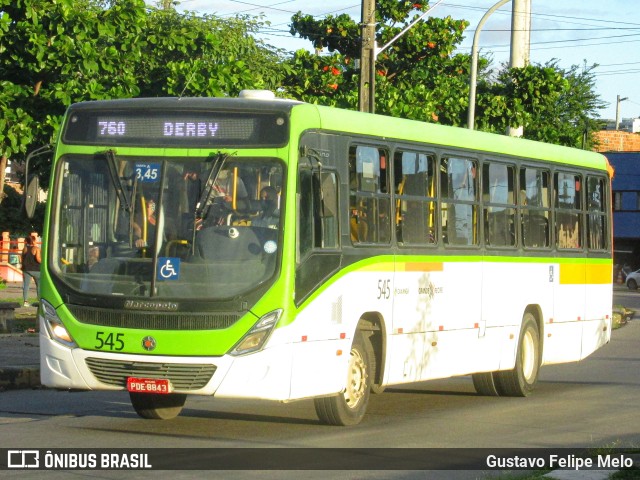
[568,203]
[498,196]
[369,199]
[458,180]
[535,207]
[597,210]
[415,188]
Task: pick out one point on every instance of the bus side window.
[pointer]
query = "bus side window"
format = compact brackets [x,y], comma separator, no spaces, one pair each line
[535,207]
[568,204]
[597,210]
[318,213]
[458,180]
[415,198]
[498,183]
[369,199]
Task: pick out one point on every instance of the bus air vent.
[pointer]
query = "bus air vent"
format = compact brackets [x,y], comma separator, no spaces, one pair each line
[105,317]
[182,376]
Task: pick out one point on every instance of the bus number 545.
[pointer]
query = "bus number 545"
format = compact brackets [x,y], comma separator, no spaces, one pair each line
[109,341]
[384,289]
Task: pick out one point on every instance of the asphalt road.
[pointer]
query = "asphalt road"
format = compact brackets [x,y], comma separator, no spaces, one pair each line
[592,403]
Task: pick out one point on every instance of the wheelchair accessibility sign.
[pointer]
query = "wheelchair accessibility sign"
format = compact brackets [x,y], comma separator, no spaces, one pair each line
[168,268]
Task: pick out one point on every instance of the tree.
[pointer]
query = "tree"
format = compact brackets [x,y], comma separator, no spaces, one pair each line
[13,220]
[187,54]
[553,104]
[56,53]
[422,78]
[414,76]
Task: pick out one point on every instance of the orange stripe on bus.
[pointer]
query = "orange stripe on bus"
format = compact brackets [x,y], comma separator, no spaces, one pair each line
[423,267]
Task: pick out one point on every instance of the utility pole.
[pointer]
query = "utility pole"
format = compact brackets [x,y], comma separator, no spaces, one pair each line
[520,43]
[618,110]
[471,114]
[366,92]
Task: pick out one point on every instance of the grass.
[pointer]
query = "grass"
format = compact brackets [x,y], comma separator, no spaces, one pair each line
[632,473]
[621,315]
[23,321]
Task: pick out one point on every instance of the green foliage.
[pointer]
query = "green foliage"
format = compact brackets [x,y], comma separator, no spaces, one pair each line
[12,217]
[420,77]
[414,76]
[552,104]
[192,55]
[54,53]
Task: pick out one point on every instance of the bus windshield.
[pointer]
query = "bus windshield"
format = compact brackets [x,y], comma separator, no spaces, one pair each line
[205,228]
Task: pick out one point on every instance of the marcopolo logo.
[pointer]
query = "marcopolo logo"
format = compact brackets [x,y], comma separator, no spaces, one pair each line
[23,459]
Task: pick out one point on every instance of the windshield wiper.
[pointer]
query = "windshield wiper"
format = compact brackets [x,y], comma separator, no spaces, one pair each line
[216,165]
[218,161]
[110,155]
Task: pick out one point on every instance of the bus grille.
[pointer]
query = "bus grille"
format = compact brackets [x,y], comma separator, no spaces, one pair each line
[153,320]
[182,376]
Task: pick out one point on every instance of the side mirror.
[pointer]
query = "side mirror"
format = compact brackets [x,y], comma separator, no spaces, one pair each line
[32,185]
[31,196]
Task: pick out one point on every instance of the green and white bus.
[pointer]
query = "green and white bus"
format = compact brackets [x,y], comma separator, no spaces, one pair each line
[271,249]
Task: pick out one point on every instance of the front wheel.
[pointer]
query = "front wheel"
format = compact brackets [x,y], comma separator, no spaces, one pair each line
[632,284]
[520,381]
[157,406]
[349,407]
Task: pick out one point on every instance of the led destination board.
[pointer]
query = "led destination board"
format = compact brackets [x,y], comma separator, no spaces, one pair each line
[175,129]
[187,127]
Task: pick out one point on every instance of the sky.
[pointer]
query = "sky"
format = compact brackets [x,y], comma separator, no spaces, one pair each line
[602,32]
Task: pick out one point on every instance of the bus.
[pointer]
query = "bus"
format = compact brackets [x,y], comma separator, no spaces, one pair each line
[262,248]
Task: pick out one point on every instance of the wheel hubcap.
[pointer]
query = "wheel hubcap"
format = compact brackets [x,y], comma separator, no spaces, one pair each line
[356,380]
[528,357]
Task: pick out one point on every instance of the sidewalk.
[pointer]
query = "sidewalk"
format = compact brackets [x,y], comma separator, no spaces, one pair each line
[19,353]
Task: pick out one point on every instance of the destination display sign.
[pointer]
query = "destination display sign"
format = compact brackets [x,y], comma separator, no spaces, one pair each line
[167,128]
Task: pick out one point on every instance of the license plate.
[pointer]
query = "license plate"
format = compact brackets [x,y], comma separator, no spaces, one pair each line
[149,385]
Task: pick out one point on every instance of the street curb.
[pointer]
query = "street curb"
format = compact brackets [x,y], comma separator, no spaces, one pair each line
[23,377]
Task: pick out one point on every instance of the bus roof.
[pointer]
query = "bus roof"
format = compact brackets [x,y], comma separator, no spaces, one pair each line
[340,120]
[441,135]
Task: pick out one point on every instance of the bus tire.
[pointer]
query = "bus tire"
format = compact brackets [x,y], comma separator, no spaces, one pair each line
[485,384]
[374,365]
[157,406]
[520,381]
[349,407]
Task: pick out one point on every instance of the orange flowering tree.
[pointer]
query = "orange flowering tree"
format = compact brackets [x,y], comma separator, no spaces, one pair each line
[419,76]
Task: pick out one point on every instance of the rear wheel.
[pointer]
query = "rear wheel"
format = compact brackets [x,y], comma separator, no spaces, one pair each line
[349,407]
[520,381]
[632,284]
[157,407]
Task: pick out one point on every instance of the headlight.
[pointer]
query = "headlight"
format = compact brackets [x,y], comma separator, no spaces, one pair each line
[54,326]
[255,338]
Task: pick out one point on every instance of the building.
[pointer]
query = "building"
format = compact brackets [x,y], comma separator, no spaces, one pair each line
[626,207]
[631,125]
[617,141]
